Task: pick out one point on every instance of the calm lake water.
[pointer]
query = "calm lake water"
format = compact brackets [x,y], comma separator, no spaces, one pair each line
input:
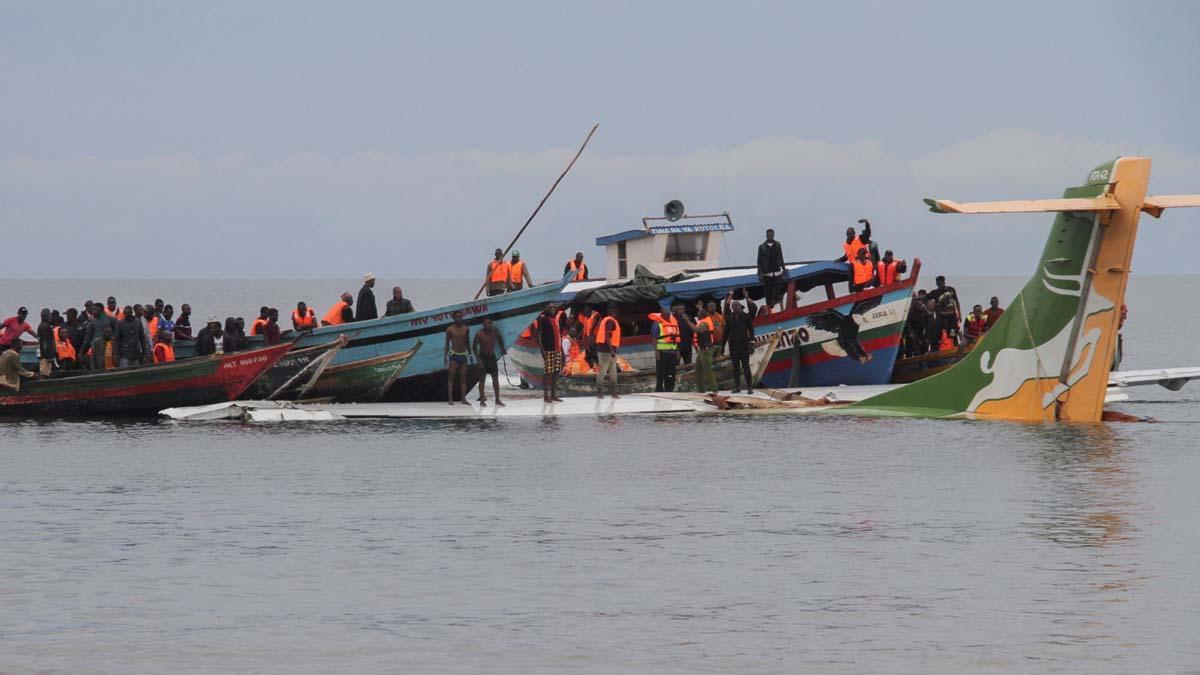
[653,545]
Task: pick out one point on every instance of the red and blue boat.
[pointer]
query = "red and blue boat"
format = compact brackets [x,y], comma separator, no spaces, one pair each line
[143,390]
[828,340]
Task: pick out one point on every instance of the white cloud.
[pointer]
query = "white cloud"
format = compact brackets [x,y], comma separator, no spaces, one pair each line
[314,215]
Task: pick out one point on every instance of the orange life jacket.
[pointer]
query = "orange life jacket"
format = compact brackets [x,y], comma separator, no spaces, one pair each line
[498,272]
[334,316]
[163,352]
[62,346]
[887,272]
[152,325]
[256,327]
[588,323]
[668,332]
[863,271]
[580,270]
[851,249]
[110,355]
[946,343]
[712,331]
[516,273]
[609,332]
[307,321]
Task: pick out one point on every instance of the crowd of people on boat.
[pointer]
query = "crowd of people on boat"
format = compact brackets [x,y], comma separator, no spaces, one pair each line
[106,335]
[936,323]
[507,276]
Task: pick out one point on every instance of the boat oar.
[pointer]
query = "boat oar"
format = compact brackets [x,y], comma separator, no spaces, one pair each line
[541,203]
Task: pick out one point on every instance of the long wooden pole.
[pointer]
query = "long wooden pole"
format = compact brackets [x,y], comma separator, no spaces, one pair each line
[541,203]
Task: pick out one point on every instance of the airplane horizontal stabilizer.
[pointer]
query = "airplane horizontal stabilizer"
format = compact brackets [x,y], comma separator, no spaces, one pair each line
[1155,205]
[1104,202]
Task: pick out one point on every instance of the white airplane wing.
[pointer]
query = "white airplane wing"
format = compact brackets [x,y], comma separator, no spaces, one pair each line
[1171,378]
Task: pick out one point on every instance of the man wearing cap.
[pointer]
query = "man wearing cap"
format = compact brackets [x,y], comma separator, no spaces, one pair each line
[14,328]
[518,272]
[366,300]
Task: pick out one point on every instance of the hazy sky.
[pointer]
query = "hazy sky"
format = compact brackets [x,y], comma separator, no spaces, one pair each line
[301,139]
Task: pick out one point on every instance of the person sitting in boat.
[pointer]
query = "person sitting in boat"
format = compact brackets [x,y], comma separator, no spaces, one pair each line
[975,325]
[164,350]
[304,319]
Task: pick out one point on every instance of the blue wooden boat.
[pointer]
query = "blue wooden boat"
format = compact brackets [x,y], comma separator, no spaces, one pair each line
[424,377]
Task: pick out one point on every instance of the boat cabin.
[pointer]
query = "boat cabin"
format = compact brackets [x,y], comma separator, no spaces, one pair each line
[688,243]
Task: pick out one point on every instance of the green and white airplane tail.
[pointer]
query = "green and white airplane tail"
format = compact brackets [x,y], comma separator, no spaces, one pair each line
[1049,356]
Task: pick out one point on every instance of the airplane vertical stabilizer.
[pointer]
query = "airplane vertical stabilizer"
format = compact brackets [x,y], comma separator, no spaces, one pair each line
[1049,355]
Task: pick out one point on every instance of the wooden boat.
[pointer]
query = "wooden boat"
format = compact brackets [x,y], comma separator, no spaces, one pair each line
[424,379]
[363,381]
[913,368]
[143,390]
[296,369]
[830,339]
[644,381]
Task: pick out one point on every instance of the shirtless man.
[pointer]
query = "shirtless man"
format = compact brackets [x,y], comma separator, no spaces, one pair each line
[484,346]
[456,354]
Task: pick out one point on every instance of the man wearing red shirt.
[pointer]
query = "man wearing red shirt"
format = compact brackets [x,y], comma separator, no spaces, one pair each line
[14,328]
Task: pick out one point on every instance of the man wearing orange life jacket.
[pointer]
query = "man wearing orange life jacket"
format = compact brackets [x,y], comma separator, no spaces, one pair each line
[577,267]
[608,341]
[862,272]
[63,349]
[498,278]
[303,318]
[888,269]
[665,329]
[518,273]
[341,312]
[112,310]
[854,242]
[264,314]
[164,350]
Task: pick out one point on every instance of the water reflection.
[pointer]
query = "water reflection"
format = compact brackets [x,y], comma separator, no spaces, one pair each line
[1086,491]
